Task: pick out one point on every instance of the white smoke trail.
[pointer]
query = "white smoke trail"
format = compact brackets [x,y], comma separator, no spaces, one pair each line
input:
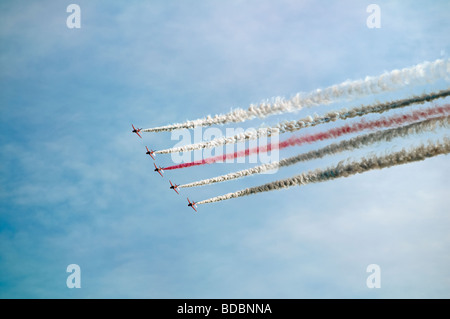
[292,126]
[422,73]
[347,145]
[345,169]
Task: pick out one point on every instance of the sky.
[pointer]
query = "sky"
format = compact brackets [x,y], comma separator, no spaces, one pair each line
[76,187]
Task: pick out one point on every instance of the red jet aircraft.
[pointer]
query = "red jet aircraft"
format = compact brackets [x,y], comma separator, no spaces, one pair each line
[159,170]
[174,187]
[192,204]
[136,130]
[150,152]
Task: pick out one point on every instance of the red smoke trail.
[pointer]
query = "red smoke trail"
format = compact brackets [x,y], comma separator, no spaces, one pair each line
[332,133]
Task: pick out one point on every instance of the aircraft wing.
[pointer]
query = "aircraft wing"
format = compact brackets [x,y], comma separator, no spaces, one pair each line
[138,134]
[176,191]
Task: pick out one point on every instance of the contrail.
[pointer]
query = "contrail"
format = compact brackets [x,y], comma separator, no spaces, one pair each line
[292,126]
[345,169]
[421,73]
[331,133]
[347,145]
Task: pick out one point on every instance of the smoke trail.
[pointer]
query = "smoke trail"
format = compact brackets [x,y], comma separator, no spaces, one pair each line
[347,145]
[332,133]
[345,169]
[425,72]
[293,126]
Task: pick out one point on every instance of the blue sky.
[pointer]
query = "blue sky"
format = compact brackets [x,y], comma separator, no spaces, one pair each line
[77,187]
